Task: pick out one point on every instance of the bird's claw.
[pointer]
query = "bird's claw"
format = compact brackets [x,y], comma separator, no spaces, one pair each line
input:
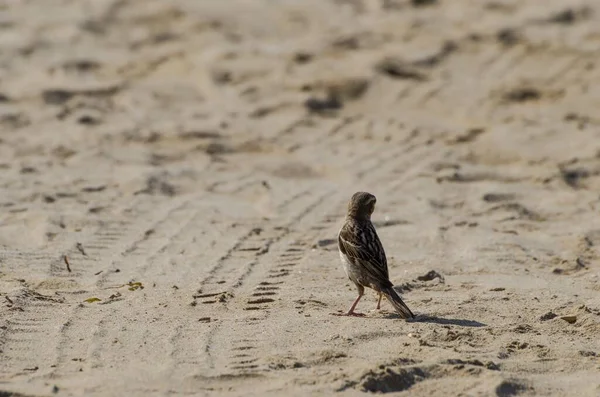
[349,314]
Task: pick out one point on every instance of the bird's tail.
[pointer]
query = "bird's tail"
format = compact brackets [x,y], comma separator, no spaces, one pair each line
[397,302]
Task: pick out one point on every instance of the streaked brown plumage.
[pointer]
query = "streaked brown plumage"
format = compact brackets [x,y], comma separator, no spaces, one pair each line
[363,255]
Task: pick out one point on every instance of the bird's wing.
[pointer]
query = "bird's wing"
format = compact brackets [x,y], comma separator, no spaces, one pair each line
[362,244]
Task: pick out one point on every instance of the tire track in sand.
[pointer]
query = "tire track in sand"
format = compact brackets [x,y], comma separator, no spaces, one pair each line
[235,341]
[35,318]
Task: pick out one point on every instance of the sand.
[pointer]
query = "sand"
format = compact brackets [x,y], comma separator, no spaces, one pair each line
[174,174]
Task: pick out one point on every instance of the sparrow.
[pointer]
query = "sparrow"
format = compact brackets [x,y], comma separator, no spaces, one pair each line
[363,256]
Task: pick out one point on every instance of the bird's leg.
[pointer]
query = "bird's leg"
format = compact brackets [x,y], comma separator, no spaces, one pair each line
[379,301]
[351,312]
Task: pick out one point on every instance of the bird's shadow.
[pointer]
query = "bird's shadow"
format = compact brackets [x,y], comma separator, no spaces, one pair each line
[424,318]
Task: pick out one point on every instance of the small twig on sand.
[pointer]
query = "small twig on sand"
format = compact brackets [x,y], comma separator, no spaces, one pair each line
[67,263]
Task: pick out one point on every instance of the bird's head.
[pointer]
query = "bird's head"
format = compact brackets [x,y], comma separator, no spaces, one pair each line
[361,205]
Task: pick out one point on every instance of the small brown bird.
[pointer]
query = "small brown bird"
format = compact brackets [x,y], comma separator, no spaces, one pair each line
[363,256]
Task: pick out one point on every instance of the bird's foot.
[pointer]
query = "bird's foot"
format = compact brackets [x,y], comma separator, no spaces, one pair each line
[349,314]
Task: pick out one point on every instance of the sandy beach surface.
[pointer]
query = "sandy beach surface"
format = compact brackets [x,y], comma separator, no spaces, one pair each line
[174,175]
